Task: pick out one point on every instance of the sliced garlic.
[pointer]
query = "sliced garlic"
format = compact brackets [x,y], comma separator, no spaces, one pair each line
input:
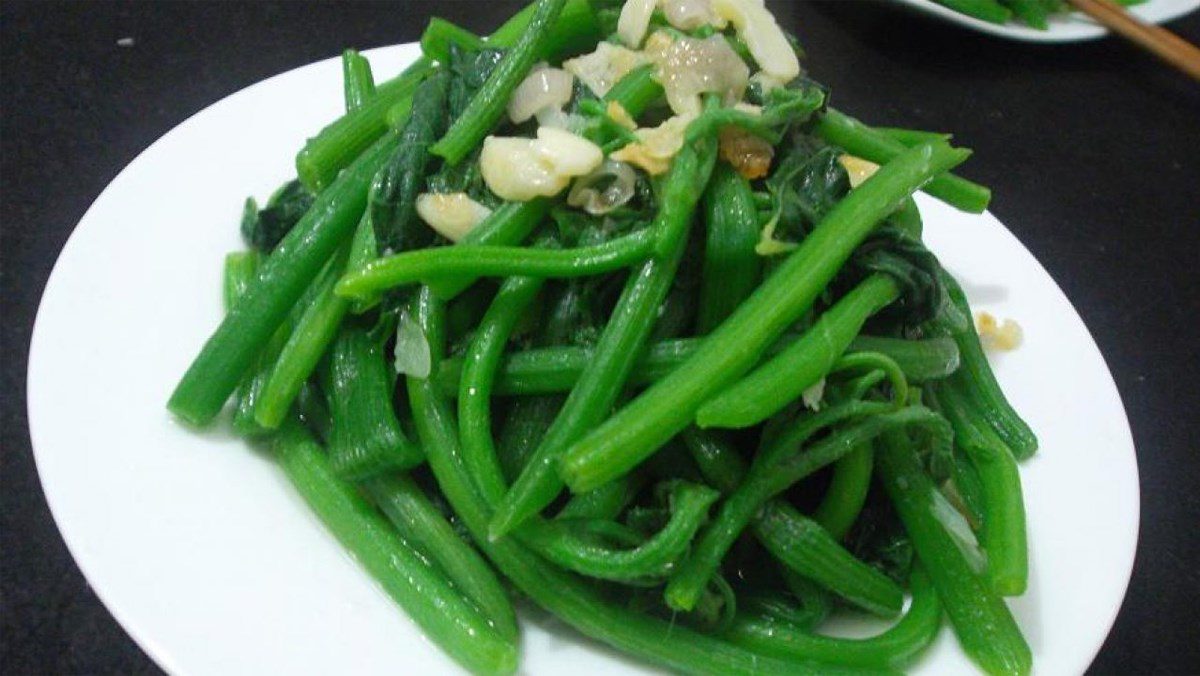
[687,15]
[688,67]
[762,35]
[543,88]
[604,67]
[857,169]
[634,21]
[566,153]
[520,169]
[656,145]
[452,215]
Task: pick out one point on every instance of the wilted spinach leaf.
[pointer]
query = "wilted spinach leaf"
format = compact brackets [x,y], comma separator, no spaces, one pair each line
[263,229]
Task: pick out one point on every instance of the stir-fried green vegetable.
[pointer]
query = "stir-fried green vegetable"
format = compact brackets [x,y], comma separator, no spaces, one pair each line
[1033,13]
[563,256]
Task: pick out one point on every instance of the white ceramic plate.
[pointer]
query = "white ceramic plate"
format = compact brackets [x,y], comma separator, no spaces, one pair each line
[1069,27]
[205,555]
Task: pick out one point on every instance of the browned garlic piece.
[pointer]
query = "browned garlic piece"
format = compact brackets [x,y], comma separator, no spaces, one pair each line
[857,169]
[656,145]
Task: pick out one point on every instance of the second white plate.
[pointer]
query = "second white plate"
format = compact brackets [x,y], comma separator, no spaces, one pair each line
[1068,27]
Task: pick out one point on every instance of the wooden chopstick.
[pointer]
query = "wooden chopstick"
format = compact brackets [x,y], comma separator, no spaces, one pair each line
[1159,41]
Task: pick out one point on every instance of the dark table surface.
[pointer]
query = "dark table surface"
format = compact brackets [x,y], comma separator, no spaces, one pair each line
[1093,151]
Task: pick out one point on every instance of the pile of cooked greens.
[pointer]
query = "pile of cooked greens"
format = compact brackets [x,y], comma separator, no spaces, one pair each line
[1032,13]
[613,311]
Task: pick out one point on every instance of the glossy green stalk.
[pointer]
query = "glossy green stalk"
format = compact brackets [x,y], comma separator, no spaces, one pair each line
[284,277]
[731,266]
[241,270]
[653,558]
[921,360]
[620,345]
[777,467]
[554,540]
[365,439]
[548,370]
[527,418]
[568,597]
[986,629]
[426,595]
[858,139]
[338,144]
[508,225]
[440,34]
[977,379]
[662,411]
[488,104]
[781,379]
[606,502]
[913,137]
[575,31]
[1003,536]
[847,493]
[313,333]
[317,326]
[422,525]
[357,80]
[479,371]
[799,543]
[895,648]
[457,263]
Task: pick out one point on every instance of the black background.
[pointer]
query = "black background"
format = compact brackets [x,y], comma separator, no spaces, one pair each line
[1093,151]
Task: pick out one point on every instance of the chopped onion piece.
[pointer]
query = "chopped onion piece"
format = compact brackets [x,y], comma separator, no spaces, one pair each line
[452,215]
[520,169]
[634,21]
[544,87]
[762,35]
[857,169]
[689,67]
[604,67]
[586,193]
